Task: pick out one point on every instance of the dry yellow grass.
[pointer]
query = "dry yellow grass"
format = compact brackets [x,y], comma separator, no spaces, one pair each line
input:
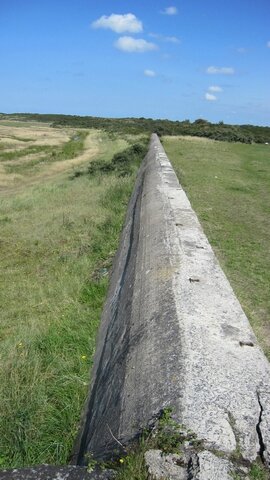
[37,134]
[16,139]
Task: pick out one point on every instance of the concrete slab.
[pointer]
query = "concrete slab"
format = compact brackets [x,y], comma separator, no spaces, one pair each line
[160,466]
[49,472]
[209,467]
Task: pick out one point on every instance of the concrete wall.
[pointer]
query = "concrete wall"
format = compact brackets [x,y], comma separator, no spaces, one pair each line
[173,333]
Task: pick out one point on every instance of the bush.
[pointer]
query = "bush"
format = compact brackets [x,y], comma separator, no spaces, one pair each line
[122,163]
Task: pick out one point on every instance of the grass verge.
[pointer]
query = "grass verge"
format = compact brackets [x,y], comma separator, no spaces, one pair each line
[228,185]
[57,243]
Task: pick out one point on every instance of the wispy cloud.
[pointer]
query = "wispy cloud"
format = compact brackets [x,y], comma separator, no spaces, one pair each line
[241,50]
[138,45]
[166,56]
[210,97]
[268,44]
[150,73]
[220,70]
[163,38]
[215,88]
[119,23]
[172,39]
[169,11]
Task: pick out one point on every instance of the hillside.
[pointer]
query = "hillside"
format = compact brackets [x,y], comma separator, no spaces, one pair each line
[198,128]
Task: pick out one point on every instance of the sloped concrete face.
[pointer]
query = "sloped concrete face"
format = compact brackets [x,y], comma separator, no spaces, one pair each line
[173,334]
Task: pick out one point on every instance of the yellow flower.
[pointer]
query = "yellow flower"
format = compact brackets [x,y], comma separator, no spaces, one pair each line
[121,460]
[83,357]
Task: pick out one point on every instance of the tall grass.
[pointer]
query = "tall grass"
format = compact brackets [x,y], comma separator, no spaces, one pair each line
[58,241]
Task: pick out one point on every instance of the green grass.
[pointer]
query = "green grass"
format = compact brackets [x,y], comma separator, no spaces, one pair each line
[15,154]
[72,148]
[229,188]
[258,472]
[57,244]
[166,435]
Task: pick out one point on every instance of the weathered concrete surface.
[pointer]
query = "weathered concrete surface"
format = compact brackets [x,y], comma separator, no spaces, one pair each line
[207,466]
[197,466]
[48,472]
[160,466]
[174,334]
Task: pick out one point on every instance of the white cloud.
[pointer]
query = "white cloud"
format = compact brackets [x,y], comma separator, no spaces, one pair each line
[210,97]
[215,88]
[119,23]
[169,11]
[129,44]
[150,73]
[220,70]
[268,44]
[163,38]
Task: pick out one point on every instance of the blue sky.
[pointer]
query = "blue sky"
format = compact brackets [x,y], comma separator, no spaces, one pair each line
[177,59]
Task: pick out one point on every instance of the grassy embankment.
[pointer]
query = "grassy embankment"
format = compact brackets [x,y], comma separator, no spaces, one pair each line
[58,237]
[228,185]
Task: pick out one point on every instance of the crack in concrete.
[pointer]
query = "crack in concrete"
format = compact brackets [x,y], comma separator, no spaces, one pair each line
[259,432]
[193,468]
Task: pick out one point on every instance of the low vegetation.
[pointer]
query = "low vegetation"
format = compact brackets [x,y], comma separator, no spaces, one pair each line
[229,188]
[58,238]
[135,126]
[169,437]
[122,164]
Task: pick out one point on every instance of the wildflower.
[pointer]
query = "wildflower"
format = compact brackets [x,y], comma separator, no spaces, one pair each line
[83,357]
[121,460]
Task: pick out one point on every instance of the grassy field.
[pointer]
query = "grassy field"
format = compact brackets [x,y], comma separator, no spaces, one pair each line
[59,229]
[58,237]
[228,185]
